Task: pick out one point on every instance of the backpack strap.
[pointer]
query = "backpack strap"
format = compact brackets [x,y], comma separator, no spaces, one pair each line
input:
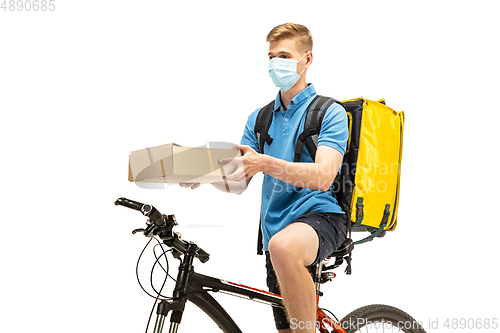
[309,137]
[380,232]
[312,126]
[260,246]
[262,125]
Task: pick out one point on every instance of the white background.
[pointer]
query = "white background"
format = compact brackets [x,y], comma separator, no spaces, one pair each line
[82,86]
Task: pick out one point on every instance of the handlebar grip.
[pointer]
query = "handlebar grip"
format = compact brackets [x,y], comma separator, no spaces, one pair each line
[129,203]
[147,210]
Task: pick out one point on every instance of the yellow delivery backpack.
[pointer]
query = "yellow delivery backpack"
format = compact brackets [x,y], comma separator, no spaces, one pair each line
[367,186]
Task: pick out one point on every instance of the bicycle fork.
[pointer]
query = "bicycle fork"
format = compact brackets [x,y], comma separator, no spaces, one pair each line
[178,303]
[177,308]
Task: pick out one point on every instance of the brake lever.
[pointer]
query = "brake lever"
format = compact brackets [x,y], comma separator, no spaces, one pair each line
[148,232]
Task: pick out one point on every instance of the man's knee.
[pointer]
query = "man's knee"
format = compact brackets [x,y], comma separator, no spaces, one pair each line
[281,247]
[296,244]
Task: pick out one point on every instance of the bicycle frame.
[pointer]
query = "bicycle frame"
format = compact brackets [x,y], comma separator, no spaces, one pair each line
[194,287]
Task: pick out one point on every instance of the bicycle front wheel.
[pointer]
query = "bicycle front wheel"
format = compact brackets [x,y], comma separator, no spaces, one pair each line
[380,318]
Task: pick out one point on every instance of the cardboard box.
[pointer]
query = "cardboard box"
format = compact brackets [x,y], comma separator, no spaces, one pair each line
[172,163]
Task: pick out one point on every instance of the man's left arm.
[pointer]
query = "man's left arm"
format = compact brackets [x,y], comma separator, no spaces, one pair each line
[318,175]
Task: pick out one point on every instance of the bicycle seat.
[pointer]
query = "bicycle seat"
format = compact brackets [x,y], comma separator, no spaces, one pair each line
[343,249]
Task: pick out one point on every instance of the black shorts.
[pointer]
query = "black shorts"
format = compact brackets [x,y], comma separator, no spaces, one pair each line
[332,231]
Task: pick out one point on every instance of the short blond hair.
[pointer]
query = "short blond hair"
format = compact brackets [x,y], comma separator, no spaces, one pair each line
[300,33]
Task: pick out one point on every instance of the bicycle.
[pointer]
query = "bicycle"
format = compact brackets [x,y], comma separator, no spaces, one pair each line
[196,288]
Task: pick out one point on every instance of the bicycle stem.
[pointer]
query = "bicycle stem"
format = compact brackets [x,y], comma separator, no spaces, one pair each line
[185,270]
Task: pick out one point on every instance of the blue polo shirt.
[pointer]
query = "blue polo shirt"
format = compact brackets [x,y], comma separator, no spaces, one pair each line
[283,203]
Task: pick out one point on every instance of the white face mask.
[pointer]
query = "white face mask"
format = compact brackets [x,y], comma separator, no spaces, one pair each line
[283,72]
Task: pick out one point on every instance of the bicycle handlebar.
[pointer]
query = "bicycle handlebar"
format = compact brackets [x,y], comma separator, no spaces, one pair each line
[182,246]
[165,224]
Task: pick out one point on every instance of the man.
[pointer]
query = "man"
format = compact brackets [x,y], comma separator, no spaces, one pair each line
[300,220]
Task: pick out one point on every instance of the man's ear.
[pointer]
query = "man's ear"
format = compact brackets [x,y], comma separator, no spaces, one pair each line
[309,59]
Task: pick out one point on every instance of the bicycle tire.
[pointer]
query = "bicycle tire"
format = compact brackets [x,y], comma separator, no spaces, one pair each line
[378,318]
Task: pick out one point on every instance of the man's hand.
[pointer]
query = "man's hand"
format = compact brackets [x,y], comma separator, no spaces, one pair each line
[249,164]
[235,182]
[190,185]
